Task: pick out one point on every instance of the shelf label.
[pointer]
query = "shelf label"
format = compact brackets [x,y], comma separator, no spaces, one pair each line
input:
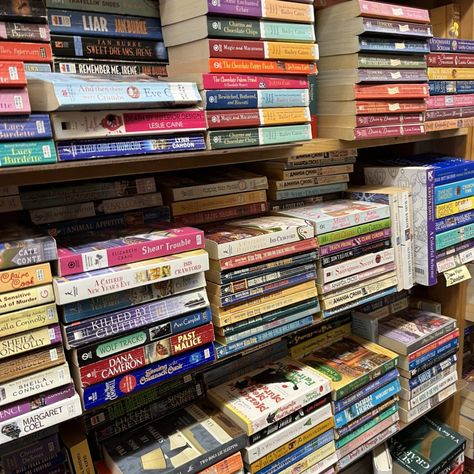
[457,275]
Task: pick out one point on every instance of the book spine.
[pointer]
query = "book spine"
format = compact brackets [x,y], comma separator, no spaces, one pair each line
[378,9]
[448,45]
[20,299]
[454,207]
[14,279]
[449,60]
[137,358]
[450,74]
[37,67]
[442,101]
[107,48]
[108,68]
[314,172]
[449,113]
[458,190]
[95,24]
[14,31]
[433,345]
[339,257]
[449,124]
[77,289]
[317,461]
[451,87]
[392,46]
[36,126]
[145,7]
[433,379]
[27,52]
[74,260]
[249,81]
[426,358]
[462,258]
[388,106]
[229,465]
[307,192]
[28,319]
[355,242]
[455,236]
[428,364]
[453,250]
[14,101]
[109,148]
[373,386]
[375,25]
[309,181]
[27,153]
[97,124]
[100,350]
[137,380]
[393,75]
[392,131]
[12,74]
[387,119]
[255,66]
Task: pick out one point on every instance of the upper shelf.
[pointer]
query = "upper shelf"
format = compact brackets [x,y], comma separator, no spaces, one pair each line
[110,167]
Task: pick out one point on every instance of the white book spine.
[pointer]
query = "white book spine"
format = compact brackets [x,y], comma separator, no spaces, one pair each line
[454,261]
[407,394]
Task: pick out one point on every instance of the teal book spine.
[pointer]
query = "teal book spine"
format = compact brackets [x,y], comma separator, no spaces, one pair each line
[39,152]
[455,236]
[299,32]
[286,134]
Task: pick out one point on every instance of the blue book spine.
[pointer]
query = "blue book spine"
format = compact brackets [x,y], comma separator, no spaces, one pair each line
[309,192]
[252,99]
[37,67]
[451,87]
[28,127]
[93,149]
[374,385]
[393,46]
[454,236]
[366,404]
[451,45]
[434,353]
[456,220]
[238,346]
[102,24]
[298,454]
[452,191]
[137,380]
[431,372]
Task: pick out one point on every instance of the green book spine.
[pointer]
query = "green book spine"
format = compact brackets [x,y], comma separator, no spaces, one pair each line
[40,152]
[389,62]
[336,236]
[234,28]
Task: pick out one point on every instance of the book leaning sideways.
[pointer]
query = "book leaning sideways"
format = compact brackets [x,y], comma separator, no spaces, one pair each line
[50,91]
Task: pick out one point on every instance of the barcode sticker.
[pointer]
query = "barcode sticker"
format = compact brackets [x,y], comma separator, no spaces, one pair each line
[47,151]
[53,354]
[40,126]
[61,374]
[18,100]
[52,334]
[40,274]
[207,354]
[78,335]
[43,32]
[51,313]
[187,378]
[59,20]
[3,394]
[99,418]
[13,73]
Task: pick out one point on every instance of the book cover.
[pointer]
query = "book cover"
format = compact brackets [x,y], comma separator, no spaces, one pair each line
[443,101]
[250,81]
[451,45]
[35,126]
[255,66]
[450,60]
[17,31]
[26,153]
[27,52]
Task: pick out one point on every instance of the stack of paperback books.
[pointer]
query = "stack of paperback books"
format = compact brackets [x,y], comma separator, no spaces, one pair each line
[218,194]
[427,344]
[365,385]
[451,75]
[300,180]
[284,408]
[24,139]
[261,282]
[250,60]
[35,381]
[435,446]
[466,418]
[355,255]
[100,38]
[374,81]
[443,208]
[83,130]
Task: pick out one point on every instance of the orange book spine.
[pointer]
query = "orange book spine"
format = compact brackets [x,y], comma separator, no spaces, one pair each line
[12,74]
[389,106]
[448,124]
[390,91]
[252,66]
[27,52]
[228,465]
[25,277]
[288,11]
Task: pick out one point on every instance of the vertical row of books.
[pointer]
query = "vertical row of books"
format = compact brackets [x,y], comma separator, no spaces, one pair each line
[373,78]
[251,63]
[107,39]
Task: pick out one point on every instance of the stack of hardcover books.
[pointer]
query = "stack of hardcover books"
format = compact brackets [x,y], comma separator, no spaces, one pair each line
[374,81]
[261,282]
[466,418]
[200,197]
[251,62]
[443,208]
[284,409]
[83,130]
[365,385]
[101,38]
[355,255]
[24,139]
[427,344]
[451,75]
[35,381]
[300,180]
[435,446]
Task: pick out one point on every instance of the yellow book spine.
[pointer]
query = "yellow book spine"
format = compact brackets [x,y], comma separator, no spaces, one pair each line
[20,299]
[217,202]
[284,115]
[240,419]
[311,459]
[25,277]
[450,73]
[454,207]
[293,51]
[27,319]
[289,11]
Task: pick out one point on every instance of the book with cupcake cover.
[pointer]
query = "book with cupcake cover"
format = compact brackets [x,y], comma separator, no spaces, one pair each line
[351,363]
[265,395]
[186,442]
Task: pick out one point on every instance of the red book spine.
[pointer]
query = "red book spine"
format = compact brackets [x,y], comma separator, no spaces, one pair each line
[450,60]
[248,81]
[236,49]
[388,119]
[27,52]
[389,91]
[394,12]
[442,101]
[12,74]
[232,118]
[389,107]
[392,131]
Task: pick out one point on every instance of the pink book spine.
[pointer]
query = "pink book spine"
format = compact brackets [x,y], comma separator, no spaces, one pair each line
[14,101]
[450,60]
[71,261]
[387,119]
[393,131]
[247,81]
[442,101]
[135,122]
[398,12]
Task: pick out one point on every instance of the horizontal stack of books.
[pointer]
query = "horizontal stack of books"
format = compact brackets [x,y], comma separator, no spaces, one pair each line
[427,344]
[84,131]
[250,61]
[300,180]
[217,194]
[355,255]
[373,81]
[451,75]
[100,38]
[35,381]
[284,409]
[466,418]
[443,208]
[435,446]
[365,385]
[261,281]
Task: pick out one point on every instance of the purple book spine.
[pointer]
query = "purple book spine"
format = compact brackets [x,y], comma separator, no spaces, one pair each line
[251,8]
[450,251]
[44,399]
